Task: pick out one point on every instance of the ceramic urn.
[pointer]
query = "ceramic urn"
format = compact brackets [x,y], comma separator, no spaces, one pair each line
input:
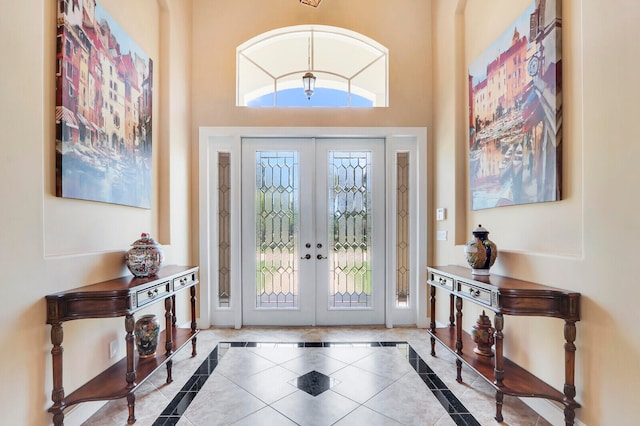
[146,332]
[482,335]
[481,252]
[144,257]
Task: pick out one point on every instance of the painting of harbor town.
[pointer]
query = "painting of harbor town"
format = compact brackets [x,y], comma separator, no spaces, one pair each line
[104,85]
[515,113]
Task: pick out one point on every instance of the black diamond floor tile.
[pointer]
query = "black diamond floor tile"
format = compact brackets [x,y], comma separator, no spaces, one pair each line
[313,383]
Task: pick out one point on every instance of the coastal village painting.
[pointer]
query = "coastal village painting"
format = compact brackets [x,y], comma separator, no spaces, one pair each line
[104,85]
[515,113]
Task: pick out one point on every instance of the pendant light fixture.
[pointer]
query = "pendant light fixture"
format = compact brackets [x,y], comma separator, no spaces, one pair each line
[309,80]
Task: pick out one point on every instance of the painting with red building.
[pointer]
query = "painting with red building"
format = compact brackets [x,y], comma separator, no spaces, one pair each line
[515,112]
[104,85]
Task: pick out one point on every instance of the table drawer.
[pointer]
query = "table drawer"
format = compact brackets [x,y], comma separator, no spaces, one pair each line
[184,281]
[442,281]
[478,294]
[152,293]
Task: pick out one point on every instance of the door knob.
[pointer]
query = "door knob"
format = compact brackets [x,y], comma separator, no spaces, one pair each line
[320,257]
[306,256]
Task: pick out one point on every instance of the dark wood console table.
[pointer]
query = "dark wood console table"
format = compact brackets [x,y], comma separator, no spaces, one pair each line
[504,296]
[115,298]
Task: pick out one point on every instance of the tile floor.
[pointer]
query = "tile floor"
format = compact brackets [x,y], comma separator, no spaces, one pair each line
[359,376]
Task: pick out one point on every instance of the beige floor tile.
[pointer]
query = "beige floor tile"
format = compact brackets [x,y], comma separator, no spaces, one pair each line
[265,417]
[322,410]
[365,416]
[248,380]
[408,401]
[359,385]
[221,402]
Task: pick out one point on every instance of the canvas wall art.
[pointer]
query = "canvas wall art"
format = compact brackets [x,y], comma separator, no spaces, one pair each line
[515,113]
[104,85]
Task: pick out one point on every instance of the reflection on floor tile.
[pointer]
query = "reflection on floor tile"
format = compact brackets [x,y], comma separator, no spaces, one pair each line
[378,374]
[341,376]
[314,383]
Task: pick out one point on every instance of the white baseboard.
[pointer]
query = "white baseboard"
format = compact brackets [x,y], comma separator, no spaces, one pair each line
[551,412]
[80,413]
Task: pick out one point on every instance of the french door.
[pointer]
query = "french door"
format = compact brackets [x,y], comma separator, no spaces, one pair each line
[313,231]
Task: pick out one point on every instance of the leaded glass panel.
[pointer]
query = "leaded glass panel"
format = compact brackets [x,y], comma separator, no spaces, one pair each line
[402,230]
[224,229]
[349,230]
[277,210]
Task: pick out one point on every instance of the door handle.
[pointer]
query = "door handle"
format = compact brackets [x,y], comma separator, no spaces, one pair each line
[306,256]
[320,257]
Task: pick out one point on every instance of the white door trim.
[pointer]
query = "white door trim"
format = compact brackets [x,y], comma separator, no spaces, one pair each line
[228,139]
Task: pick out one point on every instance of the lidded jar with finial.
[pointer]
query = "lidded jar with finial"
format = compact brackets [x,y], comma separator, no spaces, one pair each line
[481,252]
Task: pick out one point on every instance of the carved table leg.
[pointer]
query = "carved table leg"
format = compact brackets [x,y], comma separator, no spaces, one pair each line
[168,325]
[131,403]
[129,323]
[459,338]
[57,395]
[173,310]
[169,371]
[458,371]
[459,325]
[194,325]
[569,372]
[569,415]
[499,399]
[168,345]
[452,322]
[498,369]
[432,324]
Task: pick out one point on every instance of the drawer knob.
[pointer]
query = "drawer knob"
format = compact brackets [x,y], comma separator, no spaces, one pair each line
[153,293]
[474,292]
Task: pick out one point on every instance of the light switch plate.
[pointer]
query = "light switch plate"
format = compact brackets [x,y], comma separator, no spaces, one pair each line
[441,235]
[440,213]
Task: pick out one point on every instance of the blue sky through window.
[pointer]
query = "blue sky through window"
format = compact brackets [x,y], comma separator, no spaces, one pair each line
[322,97]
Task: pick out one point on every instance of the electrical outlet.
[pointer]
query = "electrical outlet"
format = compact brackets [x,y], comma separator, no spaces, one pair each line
[113,348]
[441,213]
[441,235]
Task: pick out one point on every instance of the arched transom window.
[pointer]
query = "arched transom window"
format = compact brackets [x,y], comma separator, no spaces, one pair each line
[350,69]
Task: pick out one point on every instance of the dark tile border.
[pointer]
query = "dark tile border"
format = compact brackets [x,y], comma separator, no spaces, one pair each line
[176,408]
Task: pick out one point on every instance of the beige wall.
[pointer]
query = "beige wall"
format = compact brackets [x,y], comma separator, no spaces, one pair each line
[50,244]
[583,243]
[220,26]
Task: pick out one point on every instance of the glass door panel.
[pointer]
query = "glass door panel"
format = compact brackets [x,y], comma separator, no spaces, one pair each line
[275,230]
[350,207]
[310,209]
[276,218]
[349,229]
